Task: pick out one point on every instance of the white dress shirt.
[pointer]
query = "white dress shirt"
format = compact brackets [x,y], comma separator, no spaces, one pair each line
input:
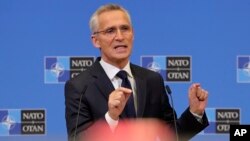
[111,72]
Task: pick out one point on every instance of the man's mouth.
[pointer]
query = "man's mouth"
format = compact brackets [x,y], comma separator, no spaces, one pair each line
[120,46]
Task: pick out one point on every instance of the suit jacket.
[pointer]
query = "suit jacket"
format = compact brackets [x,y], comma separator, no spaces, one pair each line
[90,91]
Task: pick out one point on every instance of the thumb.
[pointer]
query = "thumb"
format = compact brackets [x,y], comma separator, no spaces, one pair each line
[193,90]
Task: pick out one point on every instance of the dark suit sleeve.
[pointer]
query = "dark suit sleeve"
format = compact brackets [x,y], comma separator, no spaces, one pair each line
[72,101]
[187,125]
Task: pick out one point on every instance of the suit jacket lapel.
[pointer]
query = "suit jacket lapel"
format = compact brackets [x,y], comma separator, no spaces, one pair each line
[105,86]
[102,81]
[140,90]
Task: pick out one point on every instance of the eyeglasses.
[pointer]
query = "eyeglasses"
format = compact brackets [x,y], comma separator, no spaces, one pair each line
[112,31]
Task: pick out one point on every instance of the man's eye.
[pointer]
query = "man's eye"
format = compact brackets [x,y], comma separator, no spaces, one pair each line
[110,31]
[125,28]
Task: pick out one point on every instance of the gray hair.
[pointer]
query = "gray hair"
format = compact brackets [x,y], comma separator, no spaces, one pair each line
[94,24]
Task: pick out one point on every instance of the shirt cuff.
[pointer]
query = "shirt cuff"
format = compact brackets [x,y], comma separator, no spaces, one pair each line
[198,117]
[112,123]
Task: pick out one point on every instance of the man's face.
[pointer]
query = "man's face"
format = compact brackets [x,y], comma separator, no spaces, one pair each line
[114,37]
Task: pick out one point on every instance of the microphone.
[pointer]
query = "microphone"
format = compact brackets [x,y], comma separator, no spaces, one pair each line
[169,92]
[78,111]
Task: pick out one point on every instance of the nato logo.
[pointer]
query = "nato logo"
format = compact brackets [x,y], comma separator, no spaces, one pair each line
[22,122]
[220,120]
[155,63]
[59,69]
[172,68]
[243,69]
[179,68]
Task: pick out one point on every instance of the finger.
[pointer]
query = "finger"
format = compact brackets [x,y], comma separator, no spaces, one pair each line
[116,103]
[193,90]
[125,90]
[116,94]
[199,92]
[197,85]
[203,94]
[120,96]
[117,99]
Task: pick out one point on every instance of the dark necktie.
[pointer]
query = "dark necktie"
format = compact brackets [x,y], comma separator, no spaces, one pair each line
[129,108]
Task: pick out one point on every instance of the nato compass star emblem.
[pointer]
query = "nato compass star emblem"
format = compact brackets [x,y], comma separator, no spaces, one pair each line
[8,122]
[154,67]
[57,69]
[243,69]
[246,68]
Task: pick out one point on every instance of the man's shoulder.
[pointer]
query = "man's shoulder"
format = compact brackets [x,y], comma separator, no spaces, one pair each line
[80,81]
[84,76]
[144,71]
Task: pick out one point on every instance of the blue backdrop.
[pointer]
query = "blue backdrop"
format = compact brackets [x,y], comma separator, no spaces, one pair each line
[215,34]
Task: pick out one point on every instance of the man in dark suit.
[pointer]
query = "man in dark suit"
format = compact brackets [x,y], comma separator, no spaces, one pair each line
[98,94]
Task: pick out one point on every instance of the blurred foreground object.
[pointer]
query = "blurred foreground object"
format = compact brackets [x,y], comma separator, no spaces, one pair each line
[130,130]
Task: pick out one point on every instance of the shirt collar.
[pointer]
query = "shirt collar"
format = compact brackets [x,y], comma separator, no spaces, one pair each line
[111,70]
[128,70]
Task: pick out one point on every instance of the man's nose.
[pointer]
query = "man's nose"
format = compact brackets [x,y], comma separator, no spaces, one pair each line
[119,34]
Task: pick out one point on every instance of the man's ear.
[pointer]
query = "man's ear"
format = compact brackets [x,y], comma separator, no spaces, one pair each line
[95,41]
[133,34]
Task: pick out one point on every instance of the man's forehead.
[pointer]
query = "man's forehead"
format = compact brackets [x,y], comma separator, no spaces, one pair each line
[113,18]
